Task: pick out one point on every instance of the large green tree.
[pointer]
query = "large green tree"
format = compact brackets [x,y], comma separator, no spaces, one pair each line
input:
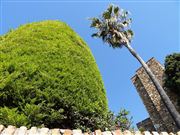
[113,28]
[48,77]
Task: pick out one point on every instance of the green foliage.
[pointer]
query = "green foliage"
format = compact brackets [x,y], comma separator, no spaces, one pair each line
[12,117]
[172,72]
[110,121]
[48,77]
[122,120]
[113,26]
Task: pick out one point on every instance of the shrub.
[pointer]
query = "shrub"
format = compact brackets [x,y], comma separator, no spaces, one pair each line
[172,73]
[49,78]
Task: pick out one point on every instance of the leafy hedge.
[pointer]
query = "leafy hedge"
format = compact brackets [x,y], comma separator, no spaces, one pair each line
[48,77]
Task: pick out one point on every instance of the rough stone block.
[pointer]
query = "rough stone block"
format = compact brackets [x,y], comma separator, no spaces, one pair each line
[44,131]
[155,133]
[117,132]
[106,133]
[9,130]
[137,133]
[55,131]
[127,132]
[164,133]
[146,133]
[67,132]
[86,133]
[77,132]
[171,133]
[1,128]
[62,131]
[97,132]
[21,131]
[16,132]
[32,131]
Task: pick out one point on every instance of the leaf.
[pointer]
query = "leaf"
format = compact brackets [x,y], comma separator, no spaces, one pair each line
[106,15]
[130,32]
[116,10]
[95,35]
[110,8]
[95,22]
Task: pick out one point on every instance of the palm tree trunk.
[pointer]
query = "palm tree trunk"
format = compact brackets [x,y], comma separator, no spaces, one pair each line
[171,108]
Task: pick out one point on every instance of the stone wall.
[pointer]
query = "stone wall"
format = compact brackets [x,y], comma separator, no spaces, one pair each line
[146,125]
[157,110]
[12,130]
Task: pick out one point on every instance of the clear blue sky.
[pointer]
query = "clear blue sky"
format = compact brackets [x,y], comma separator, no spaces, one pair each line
[155,23]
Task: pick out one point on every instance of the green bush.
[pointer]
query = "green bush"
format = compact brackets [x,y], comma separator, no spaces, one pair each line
[48,77]
[122,120]
[172,73]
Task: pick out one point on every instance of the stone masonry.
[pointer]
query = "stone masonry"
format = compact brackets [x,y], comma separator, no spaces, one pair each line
[146,125]
[159,115]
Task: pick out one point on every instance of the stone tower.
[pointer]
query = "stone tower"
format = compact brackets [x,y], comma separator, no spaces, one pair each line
[160,118]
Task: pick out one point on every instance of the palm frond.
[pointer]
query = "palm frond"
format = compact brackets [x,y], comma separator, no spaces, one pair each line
[130,32]
[106,15]
[110,9]
[95,35]
[116,10]
[95,22]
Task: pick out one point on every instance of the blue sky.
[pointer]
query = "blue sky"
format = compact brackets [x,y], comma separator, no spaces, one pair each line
[155,24]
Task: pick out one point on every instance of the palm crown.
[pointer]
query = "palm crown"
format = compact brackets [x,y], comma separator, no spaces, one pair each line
[113,26]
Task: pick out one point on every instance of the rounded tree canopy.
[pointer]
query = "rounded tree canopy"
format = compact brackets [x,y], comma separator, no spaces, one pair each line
[49,77]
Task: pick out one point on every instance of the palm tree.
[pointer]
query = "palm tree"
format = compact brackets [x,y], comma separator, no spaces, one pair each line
[113,27]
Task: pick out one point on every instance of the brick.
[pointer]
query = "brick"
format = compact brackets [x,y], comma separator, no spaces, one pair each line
[21,131]
[1,128]
[137,133]
[107,133]
[97,132]
[77,132]
[117,132]
[9,130]
[55,132]
[155,133]
[127,132]
[164,133]
[32,131]
[62,131]
[86,133]
[16,132]
[43,131]
[171,133]
[146,133]
[67,132]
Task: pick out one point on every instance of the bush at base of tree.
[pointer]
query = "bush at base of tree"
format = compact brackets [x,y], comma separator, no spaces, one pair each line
[121,120]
